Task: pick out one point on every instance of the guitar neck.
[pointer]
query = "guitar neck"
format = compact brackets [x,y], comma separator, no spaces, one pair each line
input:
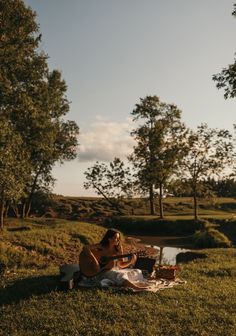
[120,256]
[105,259]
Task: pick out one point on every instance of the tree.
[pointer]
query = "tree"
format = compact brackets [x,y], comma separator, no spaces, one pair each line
[210,154]
[223,187]
[113,181]
[50,139]
[160,146]
[33,99]
[226,79]
[14,167]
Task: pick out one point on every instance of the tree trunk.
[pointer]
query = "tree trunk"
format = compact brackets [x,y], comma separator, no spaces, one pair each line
[160,201]
[110,201]
[23,210]
[195,206]
[151,200]
[15,210]
[27,202]
[1,215]
[6,210]
[28,208]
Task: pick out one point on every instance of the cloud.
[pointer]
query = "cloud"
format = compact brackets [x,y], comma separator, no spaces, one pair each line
[105,140]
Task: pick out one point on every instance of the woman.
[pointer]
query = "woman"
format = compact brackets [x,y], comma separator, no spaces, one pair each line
[101,261]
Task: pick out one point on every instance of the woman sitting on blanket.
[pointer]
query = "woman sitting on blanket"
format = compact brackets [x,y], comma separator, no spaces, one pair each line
[92,264]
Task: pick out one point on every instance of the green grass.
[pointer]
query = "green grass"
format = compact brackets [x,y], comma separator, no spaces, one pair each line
[43,242]
[31,304]
[78,207]
[211,238]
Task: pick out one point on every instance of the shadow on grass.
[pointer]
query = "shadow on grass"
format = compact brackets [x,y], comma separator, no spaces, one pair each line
[25,288]
[82,238]
[20,228]
[189,256]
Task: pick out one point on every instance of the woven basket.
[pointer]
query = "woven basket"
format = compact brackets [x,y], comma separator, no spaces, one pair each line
[166,272]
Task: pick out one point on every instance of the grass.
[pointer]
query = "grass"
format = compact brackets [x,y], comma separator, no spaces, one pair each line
[211,238]
[32,305]
[79,207]
[45,242]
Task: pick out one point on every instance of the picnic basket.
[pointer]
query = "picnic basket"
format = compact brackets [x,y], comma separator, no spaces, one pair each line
[166,272]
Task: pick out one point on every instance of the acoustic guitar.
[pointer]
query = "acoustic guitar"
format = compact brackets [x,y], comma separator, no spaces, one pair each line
[88,265]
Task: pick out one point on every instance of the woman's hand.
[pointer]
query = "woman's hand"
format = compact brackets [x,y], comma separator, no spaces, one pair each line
[133,259]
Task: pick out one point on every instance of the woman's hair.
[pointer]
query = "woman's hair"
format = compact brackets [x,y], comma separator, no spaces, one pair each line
[109,234]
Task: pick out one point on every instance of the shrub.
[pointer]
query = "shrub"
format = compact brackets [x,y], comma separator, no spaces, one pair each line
[50,213]
[145,225]
[211,238]
[64,209]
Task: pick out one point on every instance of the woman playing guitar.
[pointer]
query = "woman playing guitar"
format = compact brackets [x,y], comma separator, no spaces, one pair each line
[103,260]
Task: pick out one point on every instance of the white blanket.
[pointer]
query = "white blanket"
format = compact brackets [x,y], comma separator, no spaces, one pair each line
[115,278]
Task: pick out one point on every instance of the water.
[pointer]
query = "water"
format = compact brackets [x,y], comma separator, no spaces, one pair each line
[164,254]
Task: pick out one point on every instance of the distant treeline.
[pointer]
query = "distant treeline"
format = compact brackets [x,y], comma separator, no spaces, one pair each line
[217,188]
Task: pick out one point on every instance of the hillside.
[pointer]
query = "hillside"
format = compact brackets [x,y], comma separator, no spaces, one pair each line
[90,207]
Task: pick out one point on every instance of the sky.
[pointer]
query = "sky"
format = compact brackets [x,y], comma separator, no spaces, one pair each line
[111,53]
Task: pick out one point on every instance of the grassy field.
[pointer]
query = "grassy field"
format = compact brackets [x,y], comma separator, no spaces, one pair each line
[30,303]
[87,207]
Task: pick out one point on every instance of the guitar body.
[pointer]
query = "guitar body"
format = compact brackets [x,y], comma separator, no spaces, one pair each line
[90,265]
[98,260]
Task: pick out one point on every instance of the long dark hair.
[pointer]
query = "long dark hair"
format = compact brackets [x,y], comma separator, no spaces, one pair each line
[109,234]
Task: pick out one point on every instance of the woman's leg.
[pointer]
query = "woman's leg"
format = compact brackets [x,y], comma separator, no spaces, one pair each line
[130,284]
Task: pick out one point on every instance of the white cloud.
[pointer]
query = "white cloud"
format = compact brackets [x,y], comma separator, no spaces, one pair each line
[105,140]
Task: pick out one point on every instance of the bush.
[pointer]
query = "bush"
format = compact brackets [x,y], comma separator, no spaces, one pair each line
[211,238]
[64,209]
[50,213]
[147,226]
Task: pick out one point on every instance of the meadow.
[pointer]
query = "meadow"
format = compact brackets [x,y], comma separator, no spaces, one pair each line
[32,304]
[78,208]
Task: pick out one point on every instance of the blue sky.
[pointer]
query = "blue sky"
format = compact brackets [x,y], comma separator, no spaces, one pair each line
[112,52]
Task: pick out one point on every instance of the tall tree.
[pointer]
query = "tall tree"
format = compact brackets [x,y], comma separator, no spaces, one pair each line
[160,146]
[33,99]
[14,167]
[210,154]
[49,139]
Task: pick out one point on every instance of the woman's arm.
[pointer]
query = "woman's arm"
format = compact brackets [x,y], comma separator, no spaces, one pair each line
[88,262]
[124,264]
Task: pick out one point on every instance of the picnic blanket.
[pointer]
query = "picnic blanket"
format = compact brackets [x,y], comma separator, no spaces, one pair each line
[115,277]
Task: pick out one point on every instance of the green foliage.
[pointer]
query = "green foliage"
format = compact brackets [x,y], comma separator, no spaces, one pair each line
[41,202]
[160,145]
[227,77]
[222,187]
[13,163]
[226,80]
[211,237]
[33,103]
[227,227]
[210,152]
[113,181]
[154,226]
[14,166]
